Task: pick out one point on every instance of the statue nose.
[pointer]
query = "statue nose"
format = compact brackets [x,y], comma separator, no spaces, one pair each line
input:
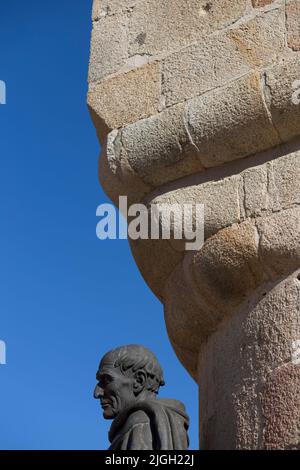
[98,392]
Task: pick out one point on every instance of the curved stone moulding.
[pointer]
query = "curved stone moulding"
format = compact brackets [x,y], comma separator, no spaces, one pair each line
[245,190]
[246,117]
[252,231]
[234,268]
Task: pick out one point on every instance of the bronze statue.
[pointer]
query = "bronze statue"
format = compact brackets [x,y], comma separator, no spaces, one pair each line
[129,378]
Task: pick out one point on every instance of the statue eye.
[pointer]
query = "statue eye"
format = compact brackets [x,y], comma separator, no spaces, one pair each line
[105,379]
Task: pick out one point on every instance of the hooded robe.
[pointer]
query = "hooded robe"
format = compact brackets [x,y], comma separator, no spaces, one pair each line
[155,424]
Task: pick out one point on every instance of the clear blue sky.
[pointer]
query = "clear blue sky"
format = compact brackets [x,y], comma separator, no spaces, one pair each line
[66,297]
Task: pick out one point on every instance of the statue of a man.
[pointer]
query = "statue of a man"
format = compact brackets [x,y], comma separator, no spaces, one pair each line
[129,378]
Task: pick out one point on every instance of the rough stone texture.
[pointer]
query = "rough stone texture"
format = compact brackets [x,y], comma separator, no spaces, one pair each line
[255,191]
[116,175]
[231,123]
[271,187]
[248,116]
[279,244]
[156,268]
[224,279]
[285,181]
[108,56]
[228,112]
[261,3]
[201,67]
[157,27]
[225,303]
[245,371]
[204,65]
[159,148]
[278,93]
[230,195]
[210,194]
[198,103]
[281,409]
[136,96]
[293,24]
[260,40]
[102,8]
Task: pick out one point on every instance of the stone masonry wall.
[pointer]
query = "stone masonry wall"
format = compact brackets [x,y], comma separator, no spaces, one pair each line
[196,101]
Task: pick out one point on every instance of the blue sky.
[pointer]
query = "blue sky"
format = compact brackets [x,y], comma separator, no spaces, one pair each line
[66,297]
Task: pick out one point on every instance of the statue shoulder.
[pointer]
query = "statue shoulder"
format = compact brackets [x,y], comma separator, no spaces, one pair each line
[137,417]
[133,433]
[129,421]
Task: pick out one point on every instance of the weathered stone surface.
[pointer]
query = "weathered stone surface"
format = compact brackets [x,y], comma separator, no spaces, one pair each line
[227,268]
[293,24]
[231,123]
[215,195]
[233,267]
[128,97]
[102,8]
[156,268]
[204,66]
[166,254]
[195,308]
[230,194]
[157,27]
[261,3]
[188,130]
[115,174]
[109,47]
[201,67]
[255,198]
[245,366]
[279,241]
[280,398]
[260,40]
[279,91]
[218,127]
[285,181]
[158,148]
[199,103]
[188,330]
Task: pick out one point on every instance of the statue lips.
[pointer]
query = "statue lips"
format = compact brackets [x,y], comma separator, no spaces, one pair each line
[105,403]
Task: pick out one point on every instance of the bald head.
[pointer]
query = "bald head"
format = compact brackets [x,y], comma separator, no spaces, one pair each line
[126,375]
[132,358]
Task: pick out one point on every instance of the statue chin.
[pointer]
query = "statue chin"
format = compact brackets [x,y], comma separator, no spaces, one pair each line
[109,413]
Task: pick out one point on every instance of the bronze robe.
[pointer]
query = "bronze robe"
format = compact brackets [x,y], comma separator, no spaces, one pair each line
[158,424]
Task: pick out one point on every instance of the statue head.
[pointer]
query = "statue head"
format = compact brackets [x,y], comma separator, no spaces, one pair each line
[125,375]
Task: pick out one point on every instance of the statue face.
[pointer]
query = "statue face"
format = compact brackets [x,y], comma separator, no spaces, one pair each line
[114,390]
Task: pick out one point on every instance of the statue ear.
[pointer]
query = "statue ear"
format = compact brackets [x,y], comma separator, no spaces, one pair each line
[140,379]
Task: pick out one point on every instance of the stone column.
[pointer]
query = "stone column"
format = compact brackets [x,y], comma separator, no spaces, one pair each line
[199,101]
